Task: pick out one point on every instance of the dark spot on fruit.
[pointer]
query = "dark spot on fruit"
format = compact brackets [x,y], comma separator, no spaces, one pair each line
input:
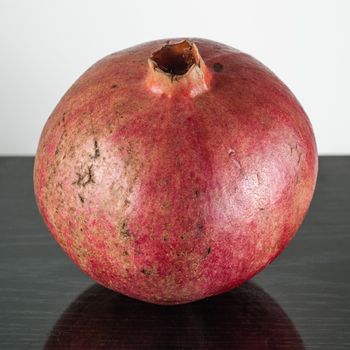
[299,157]
[113,86]
[165,205]
[296,148]
[63,135]
[81,198]
[125,253]
[258,178]
[200,225]
[124,230]
[146,272]
[86,178]
[182,237]
[218,67]
[129,148]
[96,149]
[196,193]
[126,202]
[81,229]
[208,250]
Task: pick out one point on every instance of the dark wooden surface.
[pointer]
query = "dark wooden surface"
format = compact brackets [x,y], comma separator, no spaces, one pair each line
[301,301]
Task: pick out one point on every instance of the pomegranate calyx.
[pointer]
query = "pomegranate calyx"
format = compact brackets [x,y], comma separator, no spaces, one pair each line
[177,69]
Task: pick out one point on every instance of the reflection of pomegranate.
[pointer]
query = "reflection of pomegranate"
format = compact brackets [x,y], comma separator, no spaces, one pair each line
[245,318]
[175,170]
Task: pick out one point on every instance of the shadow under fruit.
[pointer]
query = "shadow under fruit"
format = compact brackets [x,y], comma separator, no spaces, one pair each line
[244,319]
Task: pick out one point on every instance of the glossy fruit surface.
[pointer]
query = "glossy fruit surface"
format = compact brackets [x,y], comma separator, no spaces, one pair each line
[175,170]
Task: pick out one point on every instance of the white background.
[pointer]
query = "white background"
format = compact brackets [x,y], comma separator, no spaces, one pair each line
[46,45]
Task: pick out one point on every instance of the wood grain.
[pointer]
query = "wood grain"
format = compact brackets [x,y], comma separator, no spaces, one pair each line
[303,296]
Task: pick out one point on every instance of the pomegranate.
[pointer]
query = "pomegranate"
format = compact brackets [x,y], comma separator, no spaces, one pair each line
[175,170]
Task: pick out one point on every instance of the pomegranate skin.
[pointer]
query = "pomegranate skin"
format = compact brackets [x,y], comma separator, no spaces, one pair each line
[172,188]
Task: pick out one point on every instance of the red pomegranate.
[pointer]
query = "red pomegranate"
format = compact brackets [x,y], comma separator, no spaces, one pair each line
[175,170]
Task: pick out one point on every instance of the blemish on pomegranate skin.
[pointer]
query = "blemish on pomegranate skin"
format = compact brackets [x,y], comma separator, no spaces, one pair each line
[113,86]
[165,205]
[218,67]
[146,272]
[258,178]
[199,226]
[96,150]
[124,230]
[86,178]
[231,152]
[197,193]
[208,250]
[296,148]
[81,198]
